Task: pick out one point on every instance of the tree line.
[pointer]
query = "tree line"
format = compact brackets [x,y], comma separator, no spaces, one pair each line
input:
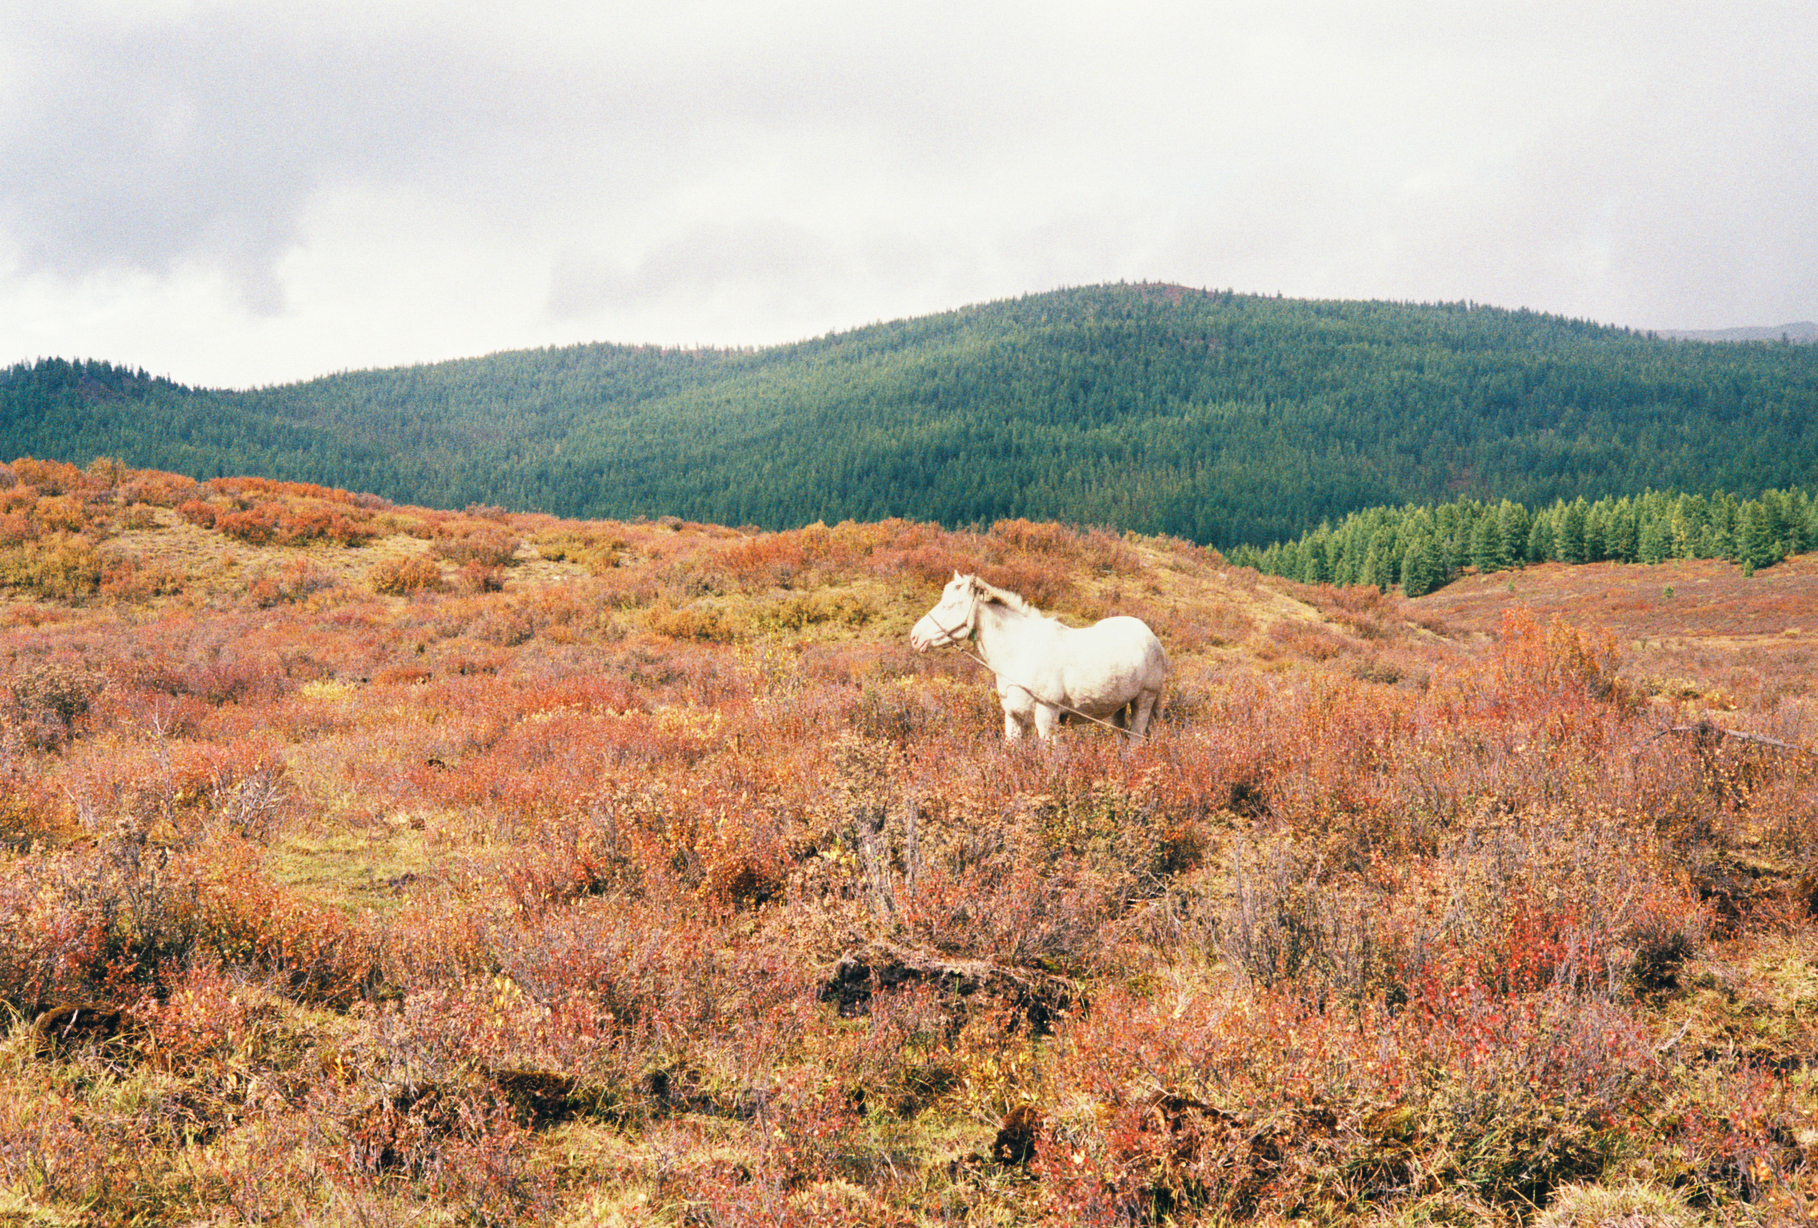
[1419,548]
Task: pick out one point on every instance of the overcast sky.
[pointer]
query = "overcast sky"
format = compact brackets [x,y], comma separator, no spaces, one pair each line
[236,194]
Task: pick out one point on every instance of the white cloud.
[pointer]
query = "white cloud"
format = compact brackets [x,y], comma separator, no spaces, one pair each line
[243,193]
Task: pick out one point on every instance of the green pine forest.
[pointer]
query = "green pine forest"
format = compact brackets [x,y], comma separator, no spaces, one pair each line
[1421,548]
[1355,435]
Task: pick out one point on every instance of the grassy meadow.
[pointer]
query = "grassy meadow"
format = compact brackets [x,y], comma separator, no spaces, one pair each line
[367,864]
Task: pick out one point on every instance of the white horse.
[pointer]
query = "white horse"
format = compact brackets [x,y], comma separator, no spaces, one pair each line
[1111,671]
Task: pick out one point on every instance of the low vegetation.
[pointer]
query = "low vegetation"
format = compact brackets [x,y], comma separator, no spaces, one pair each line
[372,864]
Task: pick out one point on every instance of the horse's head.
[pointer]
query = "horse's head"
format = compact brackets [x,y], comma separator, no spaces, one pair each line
[953,619]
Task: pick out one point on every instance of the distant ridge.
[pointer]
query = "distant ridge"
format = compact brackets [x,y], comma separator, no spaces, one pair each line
[1804,331]
[1218,417]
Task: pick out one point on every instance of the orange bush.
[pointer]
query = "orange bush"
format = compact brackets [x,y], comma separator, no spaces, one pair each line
[1533,658]
[196,512]
[148,486]
[482,546]
[128,577]
[56,567]
[406,576]
[50,477]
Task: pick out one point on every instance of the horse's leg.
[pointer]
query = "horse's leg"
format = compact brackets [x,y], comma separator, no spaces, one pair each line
[1047,720]
[1013,725]
[1141,709]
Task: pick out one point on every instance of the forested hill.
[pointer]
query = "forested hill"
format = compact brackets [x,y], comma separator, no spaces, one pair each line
[1219,417]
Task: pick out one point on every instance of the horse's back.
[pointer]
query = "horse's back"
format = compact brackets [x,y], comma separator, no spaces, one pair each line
[1132,636]
[1119,654]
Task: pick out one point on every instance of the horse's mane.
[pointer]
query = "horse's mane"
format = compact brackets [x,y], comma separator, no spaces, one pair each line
[1004,596]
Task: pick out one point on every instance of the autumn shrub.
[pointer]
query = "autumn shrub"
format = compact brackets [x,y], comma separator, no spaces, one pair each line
[338,526]
[247,489]
[505,623]
[704,621]
[1301,639]
[1614,914]
[295,580]
[1107,552]
[930,566]
[198,512]
[1040,582]
[156,489]
[16,530]
[74,1150]
[763,561]
[895,710]
[480,578]
[1192,628]
[1316,756]
[287,524]
[47,702]
[481,546]
[595,547]
[413,1114]
[312,951]
[984,869]
[221,665]
[63,514]
[94,925]
[798,613]
[1736,1131]
[34,809]
[406,575]
[601,849]
[620,969]
[49,477]
[1290,922]
[240,789]
[1533,660]
[215,1027]
[54,567]
[130,577]
[19,501]
[566,614]
[1264,1104]
[1030,537]
[50,947]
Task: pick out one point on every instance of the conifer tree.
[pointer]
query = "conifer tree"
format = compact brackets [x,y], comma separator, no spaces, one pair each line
[1568,547]
[1422,566]
[1516,525]
[1622,533]
[1540,539]
[1755,538]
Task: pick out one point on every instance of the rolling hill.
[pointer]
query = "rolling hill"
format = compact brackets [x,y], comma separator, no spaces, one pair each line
[1213,416]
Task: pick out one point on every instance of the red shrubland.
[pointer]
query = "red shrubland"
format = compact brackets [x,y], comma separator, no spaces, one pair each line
[427,860]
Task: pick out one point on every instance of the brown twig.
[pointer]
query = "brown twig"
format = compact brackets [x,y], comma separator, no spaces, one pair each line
[1706,730]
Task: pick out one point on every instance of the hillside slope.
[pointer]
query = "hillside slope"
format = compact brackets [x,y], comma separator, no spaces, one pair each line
[365,863]
[1218,417]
